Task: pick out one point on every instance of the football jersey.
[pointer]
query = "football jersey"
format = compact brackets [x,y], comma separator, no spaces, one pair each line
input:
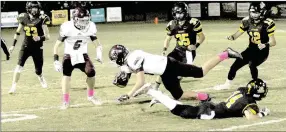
[33,27]
[76,40]
[235,105]
[139,60]
[258,33]
[185,34]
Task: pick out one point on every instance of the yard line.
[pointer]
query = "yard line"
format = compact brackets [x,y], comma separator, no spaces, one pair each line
[250,125]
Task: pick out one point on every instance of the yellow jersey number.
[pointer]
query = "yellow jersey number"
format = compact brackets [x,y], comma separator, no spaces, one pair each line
[31,31]
[255,37]
[183,39]
[233,98]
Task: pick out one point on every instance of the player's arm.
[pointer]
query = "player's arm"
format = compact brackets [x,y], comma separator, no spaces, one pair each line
[46,32]
[98,46]
[168,38]
[251,112]
[199,31]
[140,80]
[16,36]
[242,28]
[46,36]
[270,32]
[58,43]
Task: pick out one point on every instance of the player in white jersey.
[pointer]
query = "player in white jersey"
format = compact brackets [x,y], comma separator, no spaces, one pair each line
[76,34]
[169,69]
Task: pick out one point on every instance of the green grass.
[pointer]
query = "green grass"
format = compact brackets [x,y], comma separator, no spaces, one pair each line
[33,100]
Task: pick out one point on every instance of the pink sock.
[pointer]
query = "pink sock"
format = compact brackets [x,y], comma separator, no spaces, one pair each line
[223,56]
[90,92]
[66,98]
[202,96]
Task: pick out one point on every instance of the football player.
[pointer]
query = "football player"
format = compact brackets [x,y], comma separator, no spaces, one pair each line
[241,103]
[76,34]
[261,37]
[36,31]
[4,47]
[168,68]
[185,30]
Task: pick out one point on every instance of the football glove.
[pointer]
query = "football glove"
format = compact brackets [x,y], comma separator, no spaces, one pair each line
[230,37]
[58,66]
[262,46]
[99,53]
[123,98]
[264,112]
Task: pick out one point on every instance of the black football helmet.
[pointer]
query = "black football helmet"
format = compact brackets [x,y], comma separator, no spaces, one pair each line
[180,11]
[118,54]
[121,79]
[257,89]
[33,8]
[257,12]
[81,18]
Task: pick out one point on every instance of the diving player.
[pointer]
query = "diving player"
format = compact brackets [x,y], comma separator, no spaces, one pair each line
[140,63]
[36,31]
[261,37]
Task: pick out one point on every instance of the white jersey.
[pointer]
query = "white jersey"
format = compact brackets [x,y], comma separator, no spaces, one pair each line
[76,40]
[149,63]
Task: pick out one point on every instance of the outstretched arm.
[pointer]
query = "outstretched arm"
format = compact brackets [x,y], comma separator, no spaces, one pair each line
[16,36]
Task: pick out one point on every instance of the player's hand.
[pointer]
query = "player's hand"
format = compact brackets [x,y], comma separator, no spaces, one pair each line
[36,38]
[123,98]
[58,66]
[261,46]
[11,49]
[230,38]
[99,54]
[265,111]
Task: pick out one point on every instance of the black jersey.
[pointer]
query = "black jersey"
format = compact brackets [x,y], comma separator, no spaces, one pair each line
[185,34]
[235,105]
[258,33]
[33,27]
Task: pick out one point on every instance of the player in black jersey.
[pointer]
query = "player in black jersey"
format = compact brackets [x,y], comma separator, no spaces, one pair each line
[185,30]
[261,37]
[36,31]
[241,103]
[4,47]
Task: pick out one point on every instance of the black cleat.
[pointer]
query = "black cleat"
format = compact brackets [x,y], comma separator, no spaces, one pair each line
[8,57]
[233,54]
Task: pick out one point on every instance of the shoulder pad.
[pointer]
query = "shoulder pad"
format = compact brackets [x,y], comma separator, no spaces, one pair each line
[268,21]
[21,17]
[43,16]
[170,23]
[245,18]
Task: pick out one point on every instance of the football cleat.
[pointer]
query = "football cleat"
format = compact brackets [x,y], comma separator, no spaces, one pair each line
[233,54]
[94,100]
[153,102]
[123,98]
[65,106]
[43,81]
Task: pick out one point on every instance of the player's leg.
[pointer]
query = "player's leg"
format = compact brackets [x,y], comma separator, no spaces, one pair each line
[256,61]
[38,62]
[239,63]
[23,56]
[4,47]
[89,70]
[66,81]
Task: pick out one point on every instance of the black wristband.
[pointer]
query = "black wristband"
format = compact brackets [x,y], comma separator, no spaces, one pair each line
[42,38]
[56,57]
[197,45]
[164,49]
[14,42]
[17,33]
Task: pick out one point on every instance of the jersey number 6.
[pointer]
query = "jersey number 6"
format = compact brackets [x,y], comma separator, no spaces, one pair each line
[77,44]
[183,39]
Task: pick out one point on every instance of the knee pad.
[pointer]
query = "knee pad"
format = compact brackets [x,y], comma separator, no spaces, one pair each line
[90,73]
[18,69]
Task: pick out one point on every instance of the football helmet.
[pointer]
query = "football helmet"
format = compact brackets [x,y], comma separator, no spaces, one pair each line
[257,12]
[180,11]
[257,89]
[81,18]
[118,53]
[33,8]
[121,79]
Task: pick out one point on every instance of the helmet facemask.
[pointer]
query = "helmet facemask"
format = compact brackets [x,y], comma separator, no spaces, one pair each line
[81,23]
[257,89]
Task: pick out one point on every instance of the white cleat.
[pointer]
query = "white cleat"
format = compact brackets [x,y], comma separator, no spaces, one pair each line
[94,100]
[143,89]
[153,102]
[12,90]
[65,106]
[222,87]
[43,82]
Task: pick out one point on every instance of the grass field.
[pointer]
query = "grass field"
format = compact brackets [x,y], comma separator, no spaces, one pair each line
[37,109]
